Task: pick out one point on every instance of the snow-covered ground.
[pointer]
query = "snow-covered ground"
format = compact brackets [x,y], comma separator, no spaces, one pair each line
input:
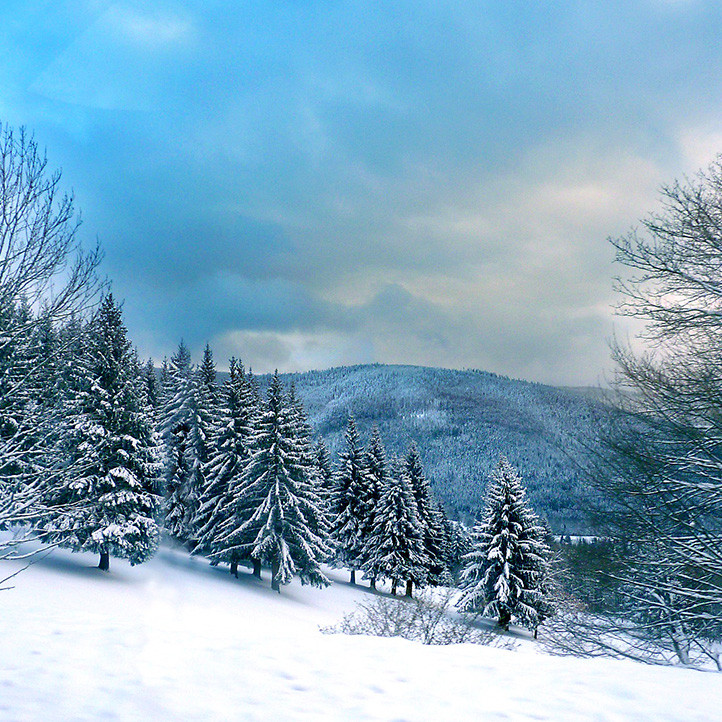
[175,639]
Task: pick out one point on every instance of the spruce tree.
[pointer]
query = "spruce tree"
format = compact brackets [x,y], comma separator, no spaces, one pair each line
[105,503]
[347,506]
[21,413]
[217,514]
[324,472]
[508,564]
[175,430]
[375,481]
[303,442]
[165,383]
[430,519]
[458,545]
[207,375]
[394,546]
[203,407]
[278,508]
[150,380]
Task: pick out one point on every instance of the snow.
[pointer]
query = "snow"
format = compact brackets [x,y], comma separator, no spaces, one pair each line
[176,639]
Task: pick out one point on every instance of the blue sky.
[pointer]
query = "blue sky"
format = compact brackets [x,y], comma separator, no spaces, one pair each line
[305,184]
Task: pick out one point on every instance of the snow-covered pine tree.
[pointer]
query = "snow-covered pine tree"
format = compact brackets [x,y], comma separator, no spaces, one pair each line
[394,547]
[376,478]
[324,470]
[217,515]
[203,403]
[165,383]
[208,376]
[509,560]
[348,511]
[430,519]
[278,501]
[458,546]
[253,385]
[175,431]
[150,380]
[18,406]
[303,441]
[105,502]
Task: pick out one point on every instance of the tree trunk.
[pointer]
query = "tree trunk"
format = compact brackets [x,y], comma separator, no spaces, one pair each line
[353,576]
[373,583]
[104,564]
[504,619]
[393,587]
[234,569]
[274,576]
[256,568]
[409,588]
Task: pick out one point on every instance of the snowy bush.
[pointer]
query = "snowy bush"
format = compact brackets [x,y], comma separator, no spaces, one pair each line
[426,619]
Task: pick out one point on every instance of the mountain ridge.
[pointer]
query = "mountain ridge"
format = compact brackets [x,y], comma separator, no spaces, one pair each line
[462,421]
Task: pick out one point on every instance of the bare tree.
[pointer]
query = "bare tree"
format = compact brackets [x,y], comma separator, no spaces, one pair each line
[46,278]
[663,474]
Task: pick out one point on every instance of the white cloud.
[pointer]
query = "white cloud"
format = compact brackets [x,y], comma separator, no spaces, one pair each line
[266,351]
[149,28]
[110,65]
[700,146]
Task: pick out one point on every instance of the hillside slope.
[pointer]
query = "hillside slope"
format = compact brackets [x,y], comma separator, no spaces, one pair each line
[176,639]
[462,421]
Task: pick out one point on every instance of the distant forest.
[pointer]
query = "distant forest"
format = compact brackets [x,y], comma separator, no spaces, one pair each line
[462,421]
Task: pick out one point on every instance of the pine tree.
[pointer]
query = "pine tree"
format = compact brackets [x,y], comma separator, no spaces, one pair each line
[217,512]
[105,502]
[21,418]
[202,410]
[375,481]
[207,374]
[394,547]
[278,508]
[509,562]
[175,430]
[303,441]
[150,379]
[430,520]
[324,471]
[458,546]
[348,511]
[253,385]
[165,383]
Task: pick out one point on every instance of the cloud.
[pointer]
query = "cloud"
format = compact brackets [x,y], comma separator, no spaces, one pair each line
[146,28]
[329,182]
[700,146]
[266,351]
[117,61]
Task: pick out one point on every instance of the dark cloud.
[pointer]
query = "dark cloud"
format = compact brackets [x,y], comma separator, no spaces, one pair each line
[336,182]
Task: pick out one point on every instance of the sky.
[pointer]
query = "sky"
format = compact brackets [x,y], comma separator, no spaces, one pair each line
[310,184]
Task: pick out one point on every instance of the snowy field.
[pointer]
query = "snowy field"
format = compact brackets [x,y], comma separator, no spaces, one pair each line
[175,639]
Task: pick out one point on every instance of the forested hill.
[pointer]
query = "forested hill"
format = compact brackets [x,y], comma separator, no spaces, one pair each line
[462,421]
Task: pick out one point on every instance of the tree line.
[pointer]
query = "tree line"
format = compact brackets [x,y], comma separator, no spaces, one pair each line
[239,478]
[222,470]
[245,481]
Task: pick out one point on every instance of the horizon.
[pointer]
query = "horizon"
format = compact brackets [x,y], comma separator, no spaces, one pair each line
[220,369]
